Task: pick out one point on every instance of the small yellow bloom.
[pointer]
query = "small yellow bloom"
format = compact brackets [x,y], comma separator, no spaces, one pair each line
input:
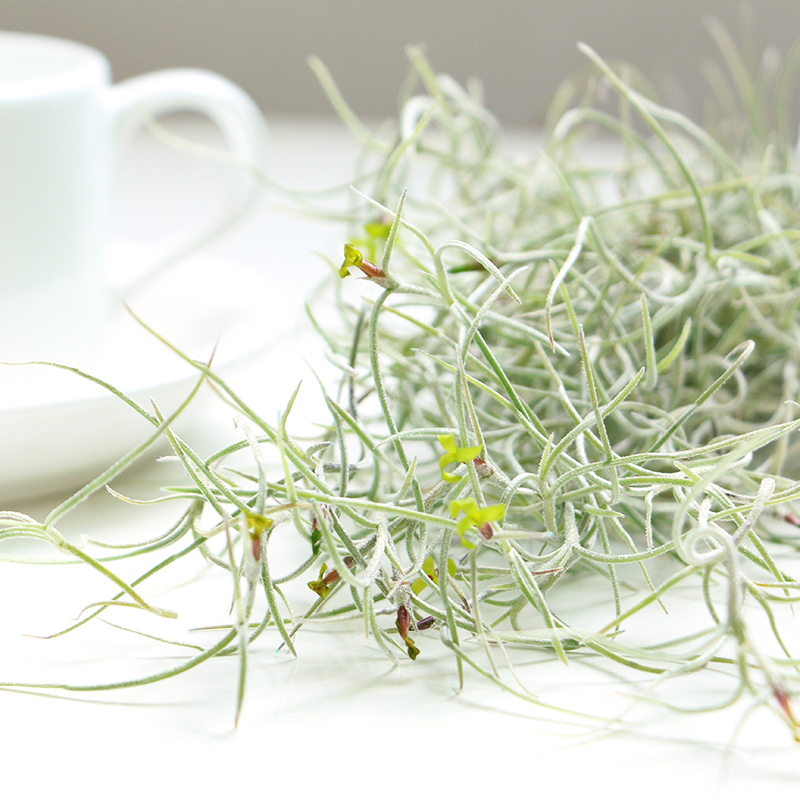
[257,523]
[475,517]
[429,568]
[455,453]
[352,258]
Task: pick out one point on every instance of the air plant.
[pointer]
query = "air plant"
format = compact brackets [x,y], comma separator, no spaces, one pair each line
[564,371]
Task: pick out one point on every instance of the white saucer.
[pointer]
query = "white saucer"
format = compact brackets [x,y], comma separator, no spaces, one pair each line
[58,430]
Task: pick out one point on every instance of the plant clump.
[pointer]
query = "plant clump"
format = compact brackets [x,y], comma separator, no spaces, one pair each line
[570,369]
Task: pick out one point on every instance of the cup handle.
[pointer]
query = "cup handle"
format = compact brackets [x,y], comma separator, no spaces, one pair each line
[242,124]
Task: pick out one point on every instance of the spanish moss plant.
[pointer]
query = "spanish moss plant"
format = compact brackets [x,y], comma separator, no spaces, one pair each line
[568,372]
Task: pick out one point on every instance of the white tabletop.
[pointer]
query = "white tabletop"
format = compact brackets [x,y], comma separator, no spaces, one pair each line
[339,718]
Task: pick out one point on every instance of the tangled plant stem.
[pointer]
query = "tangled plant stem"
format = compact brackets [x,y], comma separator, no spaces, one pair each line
[604,361]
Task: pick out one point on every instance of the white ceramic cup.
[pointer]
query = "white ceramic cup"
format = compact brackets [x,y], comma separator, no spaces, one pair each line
[61,123]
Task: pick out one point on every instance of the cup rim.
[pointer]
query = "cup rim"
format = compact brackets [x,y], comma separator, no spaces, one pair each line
[89,66]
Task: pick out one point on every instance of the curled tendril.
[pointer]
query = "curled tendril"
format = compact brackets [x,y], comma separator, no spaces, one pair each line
[724,552]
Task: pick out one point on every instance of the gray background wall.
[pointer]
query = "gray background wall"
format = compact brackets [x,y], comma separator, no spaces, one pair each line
[521,49]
